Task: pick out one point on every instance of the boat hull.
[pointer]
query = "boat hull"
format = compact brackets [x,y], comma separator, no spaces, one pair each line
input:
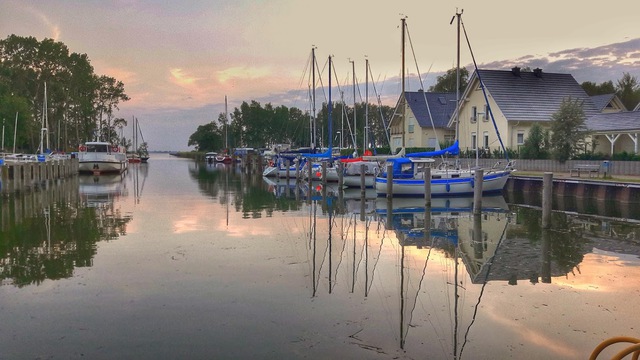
[103,159]
[492,182]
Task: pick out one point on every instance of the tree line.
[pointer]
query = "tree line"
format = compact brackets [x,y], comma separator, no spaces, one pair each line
[258,126]
[80,104]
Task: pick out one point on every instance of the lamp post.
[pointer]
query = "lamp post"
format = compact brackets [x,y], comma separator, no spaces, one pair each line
[339,133]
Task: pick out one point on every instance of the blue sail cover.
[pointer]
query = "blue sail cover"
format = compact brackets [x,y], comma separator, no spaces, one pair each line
[451,150]
[325,155]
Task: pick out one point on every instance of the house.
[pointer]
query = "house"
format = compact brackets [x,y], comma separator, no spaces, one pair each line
[613,133]
[422,117]
[608,103]
[517,99]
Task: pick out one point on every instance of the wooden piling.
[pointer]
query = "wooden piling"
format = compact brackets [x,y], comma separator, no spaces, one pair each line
[363,185]
[547,199]
[427,188]
[389,181]
[478,177]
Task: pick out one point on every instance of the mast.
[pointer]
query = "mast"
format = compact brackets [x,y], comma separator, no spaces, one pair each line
[226,126]
[355,121]
[313,97]
[366,107]
[329,110]
[457,16]
[404,118]
[44,121]
[134,134]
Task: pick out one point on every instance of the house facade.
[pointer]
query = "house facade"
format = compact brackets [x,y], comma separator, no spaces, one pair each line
[421,120]
[517,99]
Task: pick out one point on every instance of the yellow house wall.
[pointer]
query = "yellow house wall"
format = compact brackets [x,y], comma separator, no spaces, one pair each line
[476,98]
[623,144]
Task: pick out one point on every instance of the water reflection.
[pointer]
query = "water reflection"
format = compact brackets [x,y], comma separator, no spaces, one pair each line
[46,234]
[307,269]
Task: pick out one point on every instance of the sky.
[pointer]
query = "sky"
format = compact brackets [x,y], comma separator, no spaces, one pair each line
[179,59]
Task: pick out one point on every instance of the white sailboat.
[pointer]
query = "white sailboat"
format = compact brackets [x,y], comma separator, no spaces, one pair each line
[408,176]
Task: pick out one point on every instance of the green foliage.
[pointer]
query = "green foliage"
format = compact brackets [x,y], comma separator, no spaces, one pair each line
[567,130]
[537,143]
[257,126]
[628,90]
[208,137]
[447,81]
[80,103]
[604,88]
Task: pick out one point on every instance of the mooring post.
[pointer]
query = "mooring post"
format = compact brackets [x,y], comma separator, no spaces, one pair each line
[288,165]
[340,175]
[547,199]
[427,188]
[478,176]
[389,181]
[324,174]
[363,185]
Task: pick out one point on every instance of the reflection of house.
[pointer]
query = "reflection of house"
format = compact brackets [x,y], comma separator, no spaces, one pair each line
[414,119]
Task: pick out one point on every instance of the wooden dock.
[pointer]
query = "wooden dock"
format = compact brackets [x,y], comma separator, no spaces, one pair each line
[28,176]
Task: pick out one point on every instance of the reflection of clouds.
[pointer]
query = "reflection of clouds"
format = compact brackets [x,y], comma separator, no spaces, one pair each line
[186,224]
[561,307]
[606,272]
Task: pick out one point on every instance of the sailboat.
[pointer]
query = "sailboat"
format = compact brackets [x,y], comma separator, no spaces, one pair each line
[447,179]
[140,154]
[224,158]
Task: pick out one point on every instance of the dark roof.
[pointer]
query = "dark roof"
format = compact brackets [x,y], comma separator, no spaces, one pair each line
[441,106]
[618,121]
[532,96]
[601,101]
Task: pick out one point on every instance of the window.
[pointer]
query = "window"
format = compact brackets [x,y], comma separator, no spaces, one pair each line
[520,138]
[411,126]
[485,116]
[397,142]
[473,141]
[431,142]
[485,140]
[474,114]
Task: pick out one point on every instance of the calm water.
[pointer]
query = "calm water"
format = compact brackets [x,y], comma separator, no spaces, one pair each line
[176,260]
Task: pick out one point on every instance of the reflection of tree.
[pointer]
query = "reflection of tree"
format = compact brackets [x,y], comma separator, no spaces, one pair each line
[251,200]
[566,237]
[52,243]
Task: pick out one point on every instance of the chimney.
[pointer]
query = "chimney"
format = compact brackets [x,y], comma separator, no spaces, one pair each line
[537,72]
[515,71]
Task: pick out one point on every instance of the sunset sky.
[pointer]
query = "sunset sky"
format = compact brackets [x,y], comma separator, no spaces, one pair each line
[179,59]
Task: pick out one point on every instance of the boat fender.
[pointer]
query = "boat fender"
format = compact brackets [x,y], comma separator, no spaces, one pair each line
[448,187]
[473,183]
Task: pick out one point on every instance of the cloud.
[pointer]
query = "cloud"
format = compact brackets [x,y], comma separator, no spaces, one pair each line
[242,72]
[180,78]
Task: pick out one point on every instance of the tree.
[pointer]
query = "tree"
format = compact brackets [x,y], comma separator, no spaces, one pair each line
[77,98]
[628,90]
[447,81]
[568,130]
[207,138]
[604,88]
[537,143]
